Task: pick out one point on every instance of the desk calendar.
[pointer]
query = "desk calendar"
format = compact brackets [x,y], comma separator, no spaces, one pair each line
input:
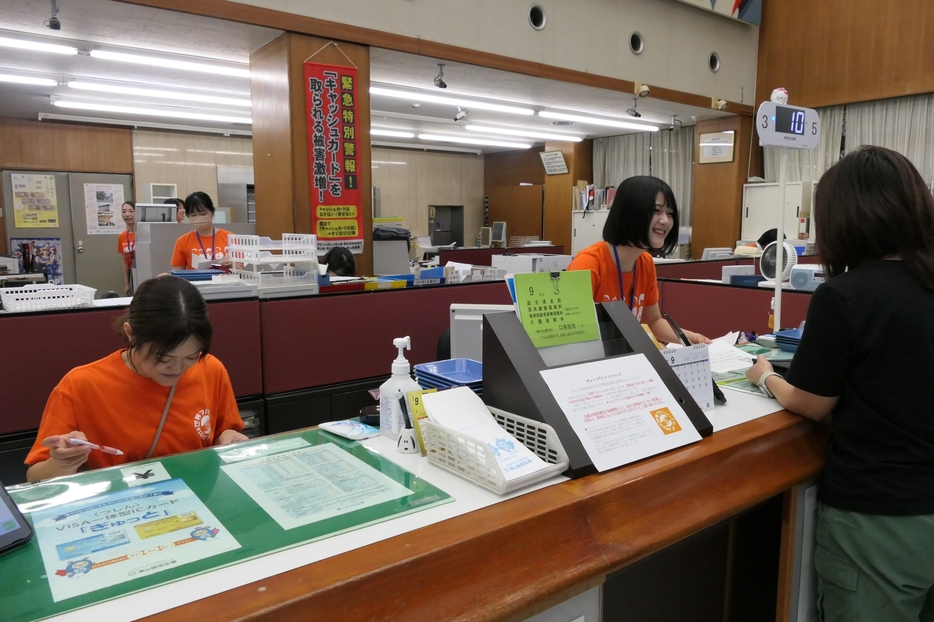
[692,366]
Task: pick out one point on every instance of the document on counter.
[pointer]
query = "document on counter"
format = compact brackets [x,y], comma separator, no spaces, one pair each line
[725,357]
[463,411]
[112,538]
[620,409]
[312,484]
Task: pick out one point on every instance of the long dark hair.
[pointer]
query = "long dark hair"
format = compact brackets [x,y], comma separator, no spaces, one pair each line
[165,312]
[874,204]
[631,214]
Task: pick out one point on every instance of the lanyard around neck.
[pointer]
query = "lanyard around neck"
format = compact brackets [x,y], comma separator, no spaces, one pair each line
[632,286]
[213,236]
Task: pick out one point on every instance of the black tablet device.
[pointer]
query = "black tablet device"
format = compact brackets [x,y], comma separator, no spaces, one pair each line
[14,530]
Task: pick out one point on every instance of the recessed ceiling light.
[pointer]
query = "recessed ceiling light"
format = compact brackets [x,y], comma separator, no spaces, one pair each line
[450,100]
[626,125]
[35,46]
[153,112]
[523,133]
[25,80]
[391,133]
[159,93]
[171,63]
[474,141]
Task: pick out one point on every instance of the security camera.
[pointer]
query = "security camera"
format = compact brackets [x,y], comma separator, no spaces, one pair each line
[719,104]
[642,90]
[632,112]
[53,23]
[461,113]
[439,79]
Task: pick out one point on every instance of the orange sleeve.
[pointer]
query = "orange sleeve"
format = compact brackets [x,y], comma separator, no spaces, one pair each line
[120,242]
[588,261]
[651,283]
[58,418]
[228,414]
[178,254]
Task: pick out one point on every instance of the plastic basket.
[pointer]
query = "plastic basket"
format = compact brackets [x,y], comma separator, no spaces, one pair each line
[256,249]
[46,297]
[473,459]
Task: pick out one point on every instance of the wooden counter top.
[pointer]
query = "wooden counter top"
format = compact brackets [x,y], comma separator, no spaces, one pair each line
[513,559]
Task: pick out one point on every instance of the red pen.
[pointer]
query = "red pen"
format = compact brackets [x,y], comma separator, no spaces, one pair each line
[103,448]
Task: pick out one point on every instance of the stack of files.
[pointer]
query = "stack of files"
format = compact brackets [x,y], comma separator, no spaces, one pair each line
[788,340]
[451,373]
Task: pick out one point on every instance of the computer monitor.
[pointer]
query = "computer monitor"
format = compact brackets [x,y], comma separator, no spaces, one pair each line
[155,212]
[486,237]
[716,253]
[499,233]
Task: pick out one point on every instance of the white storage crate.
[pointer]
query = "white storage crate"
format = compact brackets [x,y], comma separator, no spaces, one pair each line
[256,249]
[46,297]
[289,276]
[474,460]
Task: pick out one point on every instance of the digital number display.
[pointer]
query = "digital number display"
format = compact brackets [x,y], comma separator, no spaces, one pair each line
[789,120]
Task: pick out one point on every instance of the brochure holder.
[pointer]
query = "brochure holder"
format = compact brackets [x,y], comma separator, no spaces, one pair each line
[512,382]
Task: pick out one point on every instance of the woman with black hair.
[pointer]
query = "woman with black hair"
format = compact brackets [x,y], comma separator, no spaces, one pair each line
[179,208]
[866,358]
[340,262]
[126,244]
[643,217]
[162,395]
[206,241]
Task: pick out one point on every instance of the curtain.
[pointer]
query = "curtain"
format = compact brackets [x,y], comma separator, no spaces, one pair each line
[809,165]
[903,124]
[620,157]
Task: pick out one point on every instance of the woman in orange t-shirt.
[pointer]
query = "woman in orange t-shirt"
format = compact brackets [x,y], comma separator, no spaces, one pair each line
[644,216]
[206,240]
[126,244]
[162,395]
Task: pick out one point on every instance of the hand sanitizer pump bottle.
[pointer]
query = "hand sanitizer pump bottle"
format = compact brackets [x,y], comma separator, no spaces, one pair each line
[390,414]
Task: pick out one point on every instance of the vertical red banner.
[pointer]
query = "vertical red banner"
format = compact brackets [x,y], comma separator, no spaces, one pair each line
[333,156]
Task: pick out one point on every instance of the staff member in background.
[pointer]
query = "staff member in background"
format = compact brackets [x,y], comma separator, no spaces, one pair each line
[206,240]
[162,395]
[126,244]
[180,208]
[644,216]
[866,358]
[340,262]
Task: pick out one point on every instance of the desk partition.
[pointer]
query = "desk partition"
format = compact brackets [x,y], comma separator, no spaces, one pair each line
[484,256]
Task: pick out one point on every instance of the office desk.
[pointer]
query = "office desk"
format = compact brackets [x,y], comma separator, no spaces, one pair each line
[518,557]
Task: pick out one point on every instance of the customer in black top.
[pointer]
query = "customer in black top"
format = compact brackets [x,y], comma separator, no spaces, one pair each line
[867,358]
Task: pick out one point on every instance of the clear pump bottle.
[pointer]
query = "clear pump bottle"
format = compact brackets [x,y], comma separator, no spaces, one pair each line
[390,414]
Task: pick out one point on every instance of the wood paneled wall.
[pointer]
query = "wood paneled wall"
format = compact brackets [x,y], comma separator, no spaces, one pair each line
[558,205]
[844,51]
[47,146]
[718,187]
[520,207]
[280,134]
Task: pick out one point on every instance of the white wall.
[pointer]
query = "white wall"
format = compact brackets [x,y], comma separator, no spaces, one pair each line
[585,35]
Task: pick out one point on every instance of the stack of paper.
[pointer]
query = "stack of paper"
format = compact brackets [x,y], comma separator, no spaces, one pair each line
[463,411]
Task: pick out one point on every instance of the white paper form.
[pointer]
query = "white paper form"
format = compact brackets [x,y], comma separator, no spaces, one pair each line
[112,538]
[312,484]
[462,410]
[725,357]
[620,409]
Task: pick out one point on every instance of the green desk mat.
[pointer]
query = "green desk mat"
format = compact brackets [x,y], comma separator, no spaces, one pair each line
[25,593]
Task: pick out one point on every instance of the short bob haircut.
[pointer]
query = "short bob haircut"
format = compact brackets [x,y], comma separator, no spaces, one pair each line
[198,199]
[340,261]
[631,213]
[874,204]
[165,312]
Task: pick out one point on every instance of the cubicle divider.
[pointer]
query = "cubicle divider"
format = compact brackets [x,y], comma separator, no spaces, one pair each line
[711,269]
[484,256]
[714,309]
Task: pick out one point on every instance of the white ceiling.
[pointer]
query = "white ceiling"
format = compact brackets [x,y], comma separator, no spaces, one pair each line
[103,24]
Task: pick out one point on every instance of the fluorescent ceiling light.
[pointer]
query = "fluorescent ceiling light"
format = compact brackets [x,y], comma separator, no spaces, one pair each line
[35,46]
[388,162]
[5,77]
[626,125]
[474,141]
[175,95]
[146,124]
[154,112]
[420,147]
[171,63]
[391,133]
[525,133]
[452,101]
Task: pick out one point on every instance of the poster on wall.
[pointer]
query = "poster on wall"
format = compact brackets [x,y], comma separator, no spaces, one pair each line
[35,205]
[102,203]
[39,255]
[336,202]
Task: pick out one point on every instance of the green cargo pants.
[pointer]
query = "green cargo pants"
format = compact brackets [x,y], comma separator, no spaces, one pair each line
[874,568]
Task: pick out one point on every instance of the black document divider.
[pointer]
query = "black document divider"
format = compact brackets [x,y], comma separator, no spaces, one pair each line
[512,382]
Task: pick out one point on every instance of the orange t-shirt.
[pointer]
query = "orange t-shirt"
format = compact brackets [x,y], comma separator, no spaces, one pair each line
[191,244]
[116,407]
[126,245]
[604,278]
